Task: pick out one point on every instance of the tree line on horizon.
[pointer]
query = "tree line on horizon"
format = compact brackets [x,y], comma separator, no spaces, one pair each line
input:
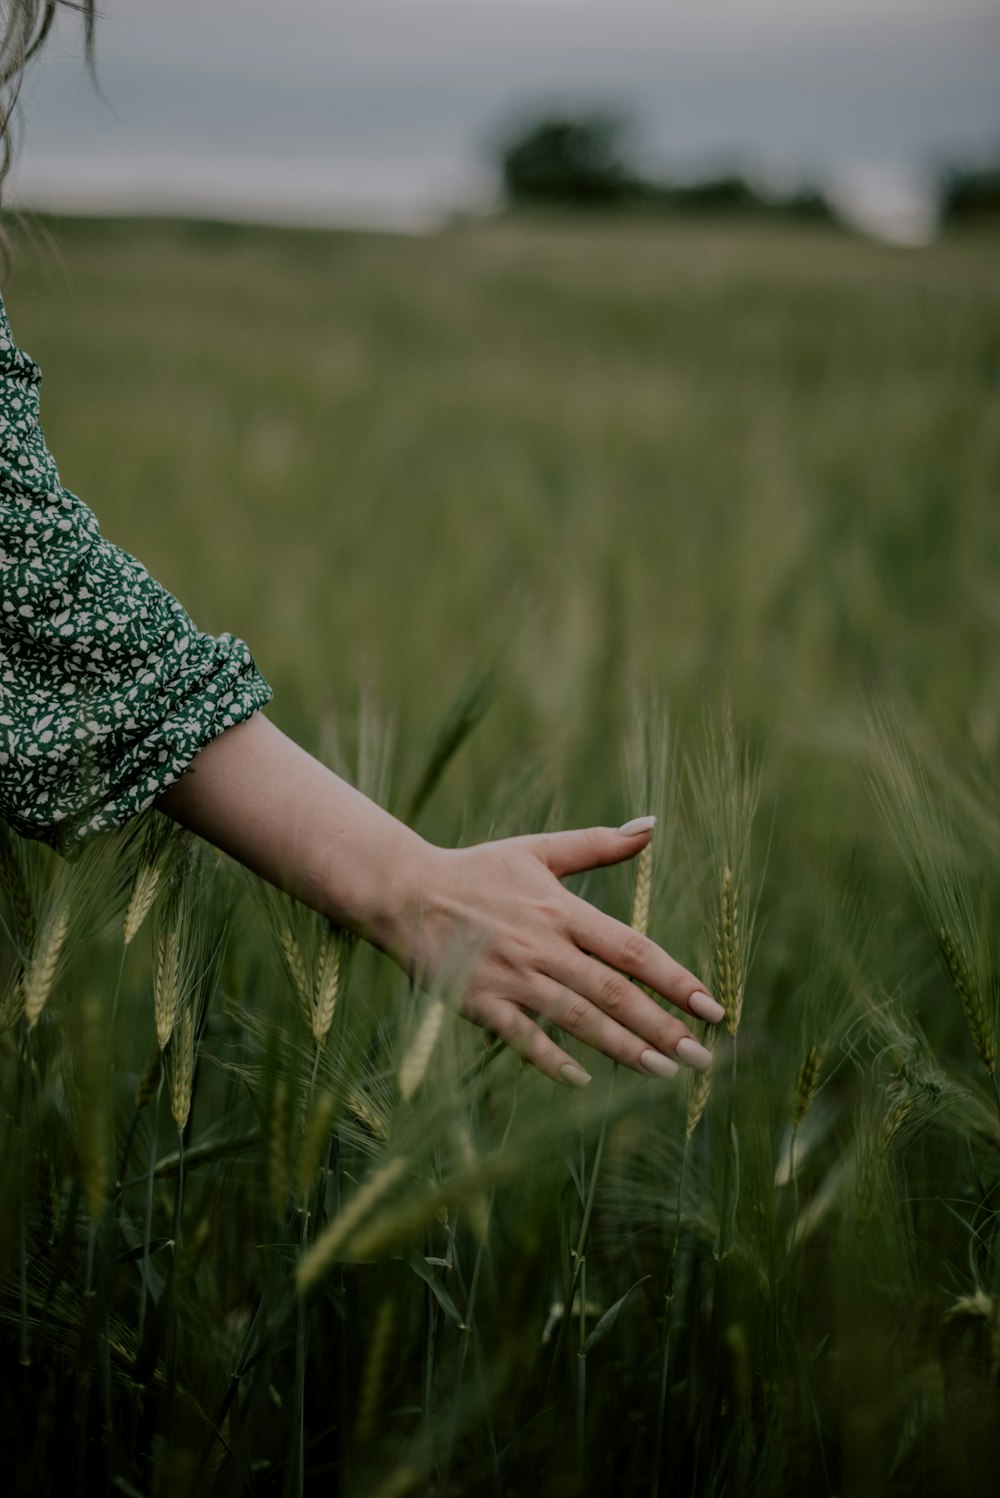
[583,161]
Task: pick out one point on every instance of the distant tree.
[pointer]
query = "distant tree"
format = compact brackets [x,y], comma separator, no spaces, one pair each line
[971,195]
[569,161]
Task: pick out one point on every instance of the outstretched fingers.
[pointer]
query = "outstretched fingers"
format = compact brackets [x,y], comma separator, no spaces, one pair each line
[629,952]
[618,1036]
[506,1020]
[613,1014]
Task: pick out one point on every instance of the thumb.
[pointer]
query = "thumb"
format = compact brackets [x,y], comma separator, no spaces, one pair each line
[592,847]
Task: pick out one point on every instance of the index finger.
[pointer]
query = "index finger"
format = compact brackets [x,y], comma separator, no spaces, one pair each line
[637,955]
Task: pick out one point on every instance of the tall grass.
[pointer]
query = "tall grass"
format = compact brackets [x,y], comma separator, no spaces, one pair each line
[272,1222]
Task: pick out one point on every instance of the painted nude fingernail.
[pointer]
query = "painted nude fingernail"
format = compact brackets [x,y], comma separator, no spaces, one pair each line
[706,1008]
[693,1054]
[574,1076]
[637,825]
[658,1065]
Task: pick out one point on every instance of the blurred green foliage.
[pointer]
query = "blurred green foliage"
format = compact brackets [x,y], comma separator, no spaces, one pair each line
[469,498]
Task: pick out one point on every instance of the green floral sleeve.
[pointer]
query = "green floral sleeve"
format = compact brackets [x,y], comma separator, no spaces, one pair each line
[107,688]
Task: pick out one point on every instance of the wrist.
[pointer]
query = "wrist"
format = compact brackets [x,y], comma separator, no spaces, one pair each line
[376,888]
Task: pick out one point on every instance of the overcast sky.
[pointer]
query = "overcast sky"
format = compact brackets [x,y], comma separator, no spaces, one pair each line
[384,110]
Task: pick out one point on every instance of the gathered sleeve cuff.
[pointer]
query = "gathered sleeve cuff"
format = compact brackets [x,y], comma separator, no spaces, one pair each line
[107,692]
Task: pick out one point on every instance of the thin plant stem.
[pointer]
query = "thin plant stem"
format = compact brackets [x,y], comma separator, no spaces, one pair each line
[470,1326]
[668,1301]
[173,1320]
[296,1477]
[27,1073]
[117,992]
[581,1373]
[148,1228]
[579,1254]
[721,1241]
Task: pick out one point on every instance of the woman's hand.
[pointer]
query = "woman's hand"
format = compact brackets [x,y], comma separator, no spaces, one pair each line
[259,796]
[537,949]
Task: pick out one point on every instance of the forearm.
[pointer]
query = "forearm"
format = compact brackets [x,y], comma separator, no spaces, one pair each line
[538,949]
[259,796]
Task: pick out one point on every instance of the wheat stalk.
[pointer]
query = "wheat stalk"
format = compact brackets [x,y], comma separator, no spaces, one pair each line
[368,1116]
[147,882]
[914,801]
[166,983]
[327,987]
[314,1136]
[48,1203]
[11,1005]
[40,974]
[729,958]
[417,1058]
[373,1378]
[94,1122]
[149,1081]
[332,1239]
[807,1083]
[277,1146]
[908,1108]
[478,1207]
[292,954]
[160,851]
[699,1087]
[639,917]
[970,997]
[182,1070]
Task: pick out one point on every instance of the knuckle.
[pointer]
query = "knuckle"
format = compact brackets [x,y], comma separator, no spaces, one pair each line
[615,994]
[634,949]
[509,1025]
[575,1018]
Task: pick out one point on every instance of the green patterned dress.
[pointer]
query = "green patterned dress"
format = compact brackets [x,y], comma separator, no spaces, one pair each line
[107,688]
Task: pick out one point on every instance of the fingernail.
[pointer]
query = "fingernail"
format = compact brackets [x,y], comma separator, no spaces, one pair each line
[706,1008]
[693,1054]
[637,825]
[574,1076]
[658,1065]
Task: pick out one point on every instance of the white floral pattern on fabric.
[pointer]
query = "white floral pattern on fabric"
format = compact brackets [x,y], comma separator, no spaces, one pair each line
[107,688]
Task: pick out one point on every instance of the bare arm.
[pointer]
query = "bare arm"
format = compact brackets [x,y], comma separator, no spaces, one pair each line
[260,797]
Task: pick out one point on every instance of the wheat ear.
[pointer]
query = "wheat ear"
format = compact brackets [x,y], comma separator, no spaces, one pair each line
[728,955]
[41,972]
[970,997]
[166,984]
[147,882]
[327,987]
[182,1071]
[699,1087]
[418,1057]
[639,918]
[296,967]
[807,1083]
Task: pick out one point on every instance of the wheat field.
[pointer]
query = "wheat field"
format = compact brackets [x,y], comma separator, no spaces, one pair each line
[529,524]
